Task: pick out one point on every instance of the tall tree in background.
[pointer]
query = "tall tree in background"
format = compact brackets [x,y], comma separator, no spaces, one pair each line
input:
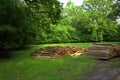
[91,20]
[100,11]
[46,12]
[20,21]
[16,24]
[115,16]
[50,8]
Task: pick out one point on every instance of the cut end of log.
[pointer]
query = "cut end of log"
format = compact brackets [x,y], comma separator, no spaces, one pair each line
[57,51]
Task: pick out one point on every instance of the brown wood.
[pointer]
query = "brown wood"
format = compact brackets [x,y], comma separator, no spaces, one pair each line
[103,51]
[57,51]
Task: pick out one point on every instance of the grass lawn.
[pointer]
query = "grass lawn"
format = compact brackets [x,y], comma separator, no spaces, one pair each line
[22,67]
[114,63]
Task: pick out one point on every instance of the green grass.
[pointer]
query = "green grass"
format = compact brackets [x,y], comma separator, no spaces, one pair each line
[22,67]
[42,69]
[114,63]
[83,45]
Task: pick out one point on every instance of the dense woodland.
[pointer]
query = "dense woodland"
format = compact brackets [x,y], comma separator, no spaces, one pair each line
[24,22]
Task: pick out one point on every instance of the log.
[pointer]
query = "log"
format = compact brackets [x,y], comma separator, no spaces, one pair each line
[103,51]
[57,51]
[97,52]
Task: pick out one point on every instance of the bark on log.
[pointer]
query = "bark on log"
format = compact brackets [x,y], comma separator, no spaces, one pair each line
[103,51]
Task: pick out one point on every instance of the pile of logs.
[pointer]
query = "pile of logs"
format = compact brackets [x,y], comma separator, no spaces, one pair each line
[56,51]
[103,51]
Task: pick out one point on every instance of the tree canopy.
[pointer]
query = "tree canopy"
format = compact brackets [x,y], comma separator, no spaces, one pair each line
[20,20]
[24,22]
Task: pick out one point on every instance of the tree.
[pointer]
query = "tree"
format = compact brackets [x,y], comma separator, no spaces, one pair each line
[115,14]
[16,27]
[46,12]
[91,19]
[20,21]
[99,11]
[50,8]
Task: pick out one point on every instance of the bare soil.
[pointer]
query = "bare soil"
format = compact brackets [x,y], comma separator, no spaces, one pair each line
[101,72]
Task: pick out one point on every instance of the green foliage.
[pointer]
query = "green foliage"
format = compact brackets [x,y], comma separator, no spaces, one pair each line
[45,13]
[9,37]
[63,33]
[99,11]
[118,33]
[115,14]
[23,21]
[57,34]
[91,20]
[46,10]
[44,21]
[16,25]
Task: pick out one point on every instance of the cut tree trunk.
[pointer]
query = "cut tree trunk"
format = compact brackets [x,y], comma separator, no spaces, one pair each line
[103,51]
[56,51]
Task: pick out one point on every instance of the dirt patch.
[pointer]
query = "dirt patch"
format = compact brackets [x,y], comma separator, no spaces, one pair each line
[56,51]
[100,72]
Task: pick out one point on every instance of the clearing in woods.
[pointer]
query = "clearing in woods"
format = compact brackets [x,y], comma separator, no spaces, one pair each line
[22,67]
[99,71]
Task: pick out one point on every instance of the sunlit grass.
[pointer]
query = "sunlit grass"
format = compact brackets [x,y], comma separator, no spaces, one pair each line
[22,67]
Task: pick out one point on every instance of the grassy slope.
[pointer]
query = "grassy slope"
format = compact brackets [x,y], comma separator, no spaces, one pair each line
[22,67]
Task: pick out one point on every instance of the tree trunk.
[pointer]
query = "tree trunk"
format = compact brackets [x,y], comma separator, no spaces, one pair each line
[101,36]
[103,51]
